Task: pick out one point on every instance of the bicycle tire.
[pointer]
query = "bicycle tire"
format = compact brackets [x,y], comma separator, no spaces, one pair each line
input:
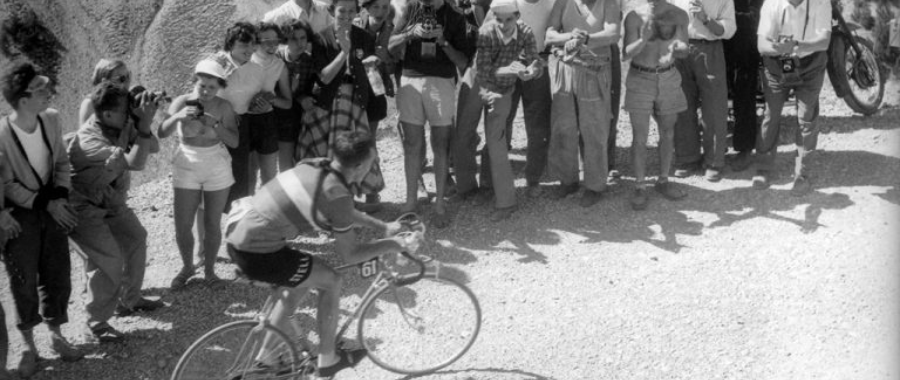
[230,351]
[841,61]
[449,321]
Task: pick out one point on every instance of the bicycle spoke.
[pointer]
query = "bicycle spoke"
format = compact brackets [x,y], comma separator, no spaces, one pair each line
[421,327]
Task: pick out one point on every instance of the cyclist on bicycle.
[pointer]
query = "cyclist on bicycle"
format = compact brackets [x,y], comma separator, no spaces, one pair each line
[314,194]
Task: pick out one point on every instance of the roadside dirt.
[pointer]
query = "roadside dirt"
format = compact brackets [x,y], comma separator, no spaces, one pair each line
[728,283]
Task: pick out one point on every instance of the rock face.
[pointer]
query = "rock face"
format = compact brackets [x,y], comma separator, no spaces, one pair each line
[160,40]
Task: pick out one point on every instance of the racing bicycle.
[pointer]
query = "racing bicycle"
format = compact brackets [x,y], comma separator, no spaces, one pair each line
[413,323]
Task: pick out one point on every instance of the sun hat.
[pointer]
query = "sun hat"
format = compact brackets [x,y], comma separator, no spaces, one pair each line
[211,68]
[504,6]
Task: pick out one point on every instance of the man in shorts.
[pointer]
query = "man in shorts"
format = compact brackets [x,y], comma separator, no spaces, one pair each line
[655,36]
[431,36]
[315,194]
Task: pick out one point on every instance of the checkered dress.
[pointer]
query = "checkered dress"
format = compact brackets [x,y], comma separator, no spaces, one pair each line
[317,138]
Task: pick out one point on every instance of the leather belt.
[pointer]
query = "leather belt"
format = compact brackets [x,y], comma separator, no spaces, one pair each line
[654,70]
[700,41]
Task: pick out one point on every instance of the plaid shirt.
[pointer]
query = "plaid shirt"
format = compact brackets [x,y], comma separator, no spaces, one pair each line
[493,53]
[302,73]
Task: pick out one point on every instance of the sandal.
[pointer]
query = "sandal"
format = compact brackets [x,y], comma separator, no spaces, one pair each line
[180,280]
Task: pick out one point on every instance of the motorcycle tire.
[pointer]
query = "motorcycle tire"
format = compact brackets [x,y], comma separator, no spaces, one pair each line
[862,94]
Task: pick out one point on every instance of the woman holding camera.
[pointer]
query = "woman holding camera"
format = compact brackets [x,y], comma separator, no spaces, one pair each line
[201,169]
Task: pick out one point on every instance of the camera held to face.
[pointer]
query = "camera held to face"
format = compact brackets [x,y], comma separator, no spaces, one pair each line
[157,97]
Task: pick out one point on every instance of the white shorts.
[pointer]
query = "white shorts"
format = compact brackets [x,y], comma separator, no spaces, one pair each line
[427,99]
[202,168]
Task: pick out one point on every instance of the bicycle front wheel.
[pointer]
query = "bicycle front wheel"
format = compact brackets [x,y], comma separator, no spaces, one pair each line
[242,350]
[419,328]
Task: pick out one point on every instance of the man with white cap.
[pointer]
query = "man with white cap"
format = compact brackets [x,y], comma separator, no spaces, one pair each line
[37,188]
[506,53]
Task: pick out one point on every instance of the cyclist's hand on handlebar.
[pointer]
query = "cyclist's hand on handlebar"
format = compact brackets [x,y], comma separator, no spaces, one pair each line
[392,228]
[410,241]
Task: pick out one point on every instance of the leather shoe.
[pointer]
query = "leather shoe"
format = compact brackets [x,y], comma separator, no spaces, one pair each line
[741,161]
[713,174]
[590,198]
[501,214]
[761,180]
[685,170]
[145,304]
[563,191]
[533,191]
[801,186]
[66,351]
[639,199]
[28,364]
[669,191]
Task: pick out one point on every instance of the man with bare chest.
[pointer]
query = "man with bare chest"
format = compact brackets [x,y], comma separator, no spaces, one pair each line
[655,36]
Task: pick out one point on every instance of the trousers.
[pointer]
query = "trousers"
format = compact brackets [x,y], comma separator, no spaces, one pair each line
[39,269]
[812,71]
[113,244]
[704,85]
[579,115]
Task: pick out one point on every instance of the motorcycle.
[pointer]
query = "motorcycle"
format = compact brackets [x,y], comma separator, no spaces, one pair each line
[853,69]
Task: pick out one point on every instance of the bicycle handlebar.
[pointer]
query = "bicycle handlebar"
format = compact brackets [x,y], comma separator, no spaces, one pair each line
[414,226]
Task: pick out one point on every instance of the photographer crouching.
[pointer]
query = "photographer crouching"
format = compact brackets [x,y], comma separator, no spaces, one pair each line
[793,37]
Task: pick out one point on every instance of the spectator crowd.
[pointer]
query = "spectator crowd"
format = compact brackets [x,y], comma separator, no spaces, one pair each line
[281,88]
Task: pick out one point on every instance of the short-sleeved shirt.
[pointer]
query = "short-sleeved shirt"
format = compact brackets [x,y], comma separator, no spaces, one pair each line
[806,21]
[454,26]
[282,209]
[244,81]
[272,68]
[100,172]
[318,16]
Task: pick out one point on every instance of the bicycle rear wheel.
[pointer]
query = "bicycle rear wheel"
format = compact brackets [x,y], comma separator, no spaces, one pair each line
[419,328]
[234,351]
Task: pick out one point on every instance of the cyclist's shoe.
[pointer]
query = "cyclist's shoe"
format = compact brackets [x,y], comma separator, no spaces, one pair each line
[348,359]
[262,370]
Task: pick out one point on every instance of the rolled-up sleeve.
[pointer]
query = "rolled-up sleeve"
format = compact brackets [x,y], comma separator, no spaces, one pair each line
[725,17]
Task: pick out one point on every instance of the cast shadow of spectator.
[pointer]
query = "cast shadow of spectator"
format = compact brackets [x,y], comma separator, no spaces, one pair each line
[612,220]
[487,373]
[853,123]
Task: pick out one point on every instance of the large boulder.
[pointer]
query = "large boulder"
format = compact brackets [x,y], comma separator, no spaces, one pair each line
[160,40]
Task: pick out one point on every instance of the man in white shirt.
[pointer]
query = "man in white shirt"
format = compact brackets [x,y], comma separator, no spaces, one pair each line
[314,12]
[704,85]
[793,38]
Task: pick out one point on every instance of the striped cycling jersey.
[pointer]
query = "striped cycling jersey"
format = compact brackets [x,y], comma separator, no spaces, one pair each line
[282,209]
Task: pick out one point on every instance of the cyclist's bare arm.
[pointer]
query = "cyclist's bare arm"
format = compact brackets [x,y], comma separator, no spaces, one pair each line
[352,251]
[384,228]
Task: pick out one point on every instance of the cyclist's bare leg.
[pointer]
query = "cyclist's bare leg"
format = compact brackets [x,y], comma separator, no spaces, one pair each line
[329,283]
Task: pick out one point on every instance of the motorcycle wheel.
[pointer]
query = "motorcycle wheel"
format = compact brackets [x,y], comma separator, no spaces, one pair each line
[861,76]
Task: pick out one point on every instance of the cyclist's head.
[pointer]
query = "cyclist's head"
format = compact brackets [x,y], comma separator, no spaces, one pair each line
[352,148]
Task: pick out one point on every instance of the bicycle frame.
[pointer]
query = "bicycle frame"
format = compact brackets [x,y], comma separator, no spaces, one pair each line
[386,276]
